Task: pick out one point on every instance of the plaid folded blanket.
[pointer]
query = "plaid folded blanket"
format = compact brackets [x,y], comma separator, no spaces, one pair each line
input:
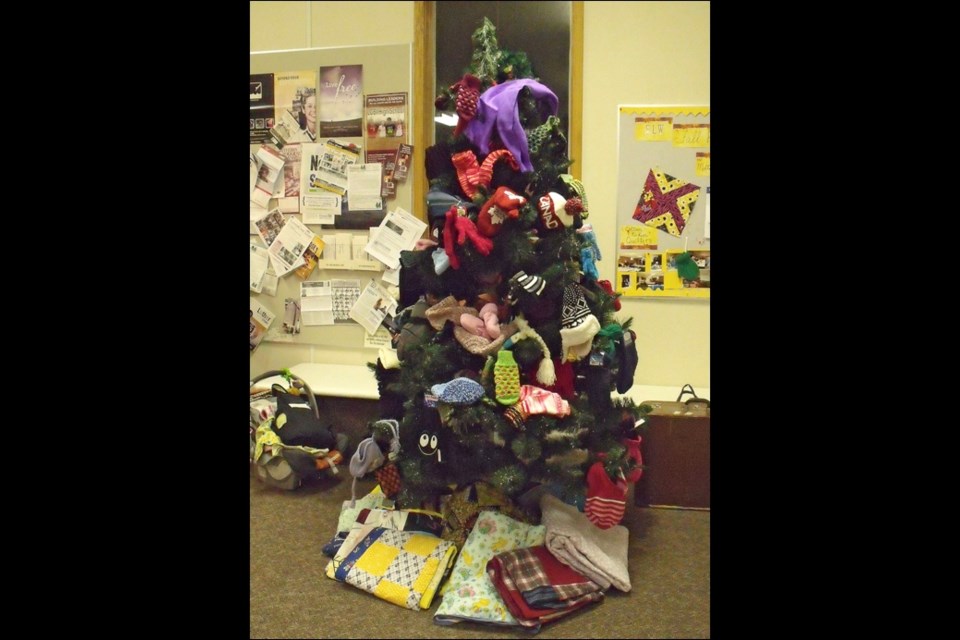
[538,588]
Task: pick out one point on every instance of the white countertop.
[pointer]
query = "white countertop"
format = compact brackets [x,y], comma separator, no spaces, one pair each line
[357,381]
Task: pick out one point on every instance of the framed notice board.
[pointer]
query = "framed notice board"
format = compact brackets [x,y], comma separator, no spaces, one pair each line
[663,201]
[362,99]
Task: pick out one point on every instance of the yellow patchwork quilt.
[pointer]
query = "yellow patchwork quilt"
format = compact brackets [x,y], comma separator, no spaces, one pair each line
[402,567]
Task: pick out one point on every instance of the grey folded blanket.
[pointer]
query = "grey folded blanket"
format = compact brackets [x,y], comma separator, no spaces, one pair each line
[599,554]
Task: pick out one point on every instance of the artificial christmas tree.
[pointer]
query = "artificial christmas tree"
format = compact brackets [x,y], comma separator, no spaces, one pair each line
[512,308]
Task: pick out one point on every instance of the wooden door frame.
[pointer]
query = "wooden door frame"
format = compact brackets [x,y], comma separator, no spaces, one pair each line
[424,92]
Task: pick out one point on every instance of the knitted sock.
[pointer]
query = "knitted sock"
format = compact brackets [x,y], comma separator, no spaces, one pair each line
[506,378]
[606,500]
[597,384]
[468,171]
[633,453]
[627,352]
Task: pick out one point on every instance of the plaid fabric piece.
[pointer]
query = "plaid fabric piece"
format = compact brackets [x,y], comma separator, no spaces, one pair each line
[547,580]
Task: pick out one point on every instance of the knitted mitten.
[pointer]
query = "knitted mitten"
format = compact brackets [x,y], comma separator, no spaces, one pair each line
[589,266]
[686,267]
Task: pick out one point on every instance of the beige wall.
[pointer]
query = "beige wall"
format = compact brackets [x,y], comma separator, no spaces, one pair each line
[644,53]
[634,53]
[297,25]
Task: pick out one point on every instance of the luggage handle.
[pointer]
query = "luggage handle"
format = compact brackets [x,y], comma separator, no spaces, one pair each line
[688,388]
[289,375]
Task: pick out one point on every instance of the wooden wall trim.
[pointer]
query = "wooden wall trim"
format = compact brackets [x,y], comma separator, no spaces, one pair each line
[576,88]
[424,70]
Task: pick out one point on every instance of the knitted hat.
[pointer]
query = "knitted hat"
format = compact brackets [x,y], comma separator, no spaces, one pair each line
[530,284]
[459,391]
[366,458]
[577,187]
[577,324]
[467,91]
[498,110]
[551,210]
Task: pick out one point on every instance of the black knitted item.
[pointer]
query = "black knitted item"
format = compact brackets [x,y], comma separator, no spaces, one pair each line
[627,354]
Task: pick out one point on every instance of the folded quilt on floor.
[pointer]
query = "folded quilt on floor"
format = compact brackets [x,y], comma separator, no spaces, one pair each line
[468,594]
[538,588]
[599,554]
[402,567]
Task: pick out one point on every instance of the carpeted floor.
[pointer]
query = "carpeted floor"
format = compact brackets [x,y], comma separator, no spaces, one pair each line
[290,597]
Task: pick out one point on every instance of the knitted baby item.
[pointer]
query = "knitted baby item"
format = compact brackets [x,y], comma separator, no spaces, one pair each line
[535,401]
[577,324]
[478,345]
[577,187]
[447,309]
[486,324]
[498,109]
[468,171]
[468,95]
[459,391]
[606,500]
[536,137]
[531,284]
[545,372]
[366,458]
[551,208]
[627,352]
[607,286]
[463,227]
[441,261]
[506,377]
[563,372]
[686,267]
[586,232]
[589,267]
[438,203]
[503,204]
[389,478]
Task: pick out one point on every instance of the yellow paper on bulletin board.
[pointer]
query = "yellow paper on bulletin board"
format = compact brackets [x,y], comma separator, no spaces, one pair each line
[691,135]
[703,163]
[653,129]
[638,236]
[646,256]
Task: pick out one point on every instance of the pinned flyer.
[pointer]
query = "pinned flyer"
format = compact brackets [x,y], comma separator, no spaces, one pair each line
[372,307]
[398,232]
[287,249]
